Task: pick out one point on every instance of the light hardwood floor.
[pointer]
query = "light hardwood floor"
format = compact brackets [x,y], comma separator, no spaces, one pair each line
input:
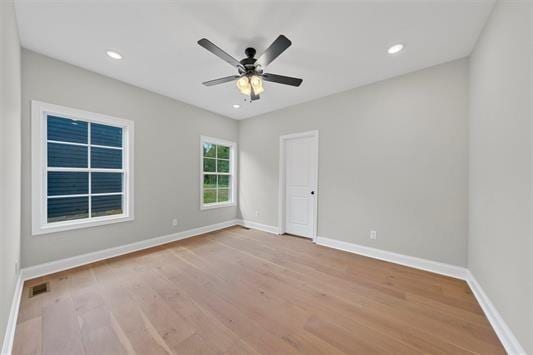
[241,291]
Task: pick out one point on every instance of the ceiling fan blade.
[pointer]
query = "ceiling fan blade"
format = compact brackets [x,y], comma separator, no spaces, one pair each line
[221,80]
[281,79]
[213,48]
[276,48]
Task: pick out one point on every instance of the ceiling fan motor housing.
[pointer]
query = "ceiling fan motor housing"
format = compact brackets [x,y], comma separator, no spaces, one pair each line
[249,62]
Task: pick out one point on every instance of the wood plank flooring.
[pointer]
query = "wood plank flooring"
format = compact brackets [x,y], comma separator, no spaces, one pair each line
[239,291]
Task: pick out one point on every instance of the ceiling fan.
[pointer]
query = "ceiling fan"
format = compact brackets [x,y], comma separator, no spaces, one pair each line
[251,75]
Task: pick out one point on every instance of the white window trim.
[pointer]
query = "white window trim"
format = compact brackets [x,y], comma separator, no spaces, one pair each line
[40,225]
[232,172]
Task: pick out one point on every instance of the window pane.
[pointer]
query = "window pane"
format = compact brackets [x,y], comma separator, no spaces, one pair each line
[106,158]
[67,155]
[66,130]
[67,208]
[106,205]
[223,166]
[209,165]
[223,195]
[106,182]
[210,196]
[210,181]
[223,180]
[209,150]
[222,152]
[106,135]
[67,183]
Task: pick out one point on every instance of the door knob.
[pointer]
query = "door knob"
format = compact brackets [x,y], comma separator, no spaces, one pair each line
[312,192]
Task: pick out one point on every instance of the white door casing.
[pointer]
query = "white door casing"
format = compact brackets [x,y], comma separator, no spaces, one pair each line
[298,182]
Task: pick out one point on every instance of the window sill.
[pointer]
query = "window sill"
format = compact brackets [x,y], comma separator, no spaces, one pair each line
[217,205]
[71,225]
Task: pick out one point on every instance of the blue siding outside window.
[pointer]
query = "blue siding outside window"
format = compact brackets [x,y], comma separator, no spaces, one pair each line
[106,158]
[68,208]
[106,205]
[74,190]
[106,182]
[67,130]
[67,156]
[67,183]
[106,135]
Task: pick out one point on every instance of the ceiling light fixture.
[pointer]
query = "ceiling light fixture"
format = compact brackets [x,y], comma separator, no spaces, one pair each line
[257,84]
[246,83]
[114,55]
[397,48]
[243,84]
[236,106]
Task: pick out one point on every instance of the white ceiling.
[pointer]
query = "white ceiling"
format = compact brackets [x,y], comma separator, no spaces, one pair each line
[336,45]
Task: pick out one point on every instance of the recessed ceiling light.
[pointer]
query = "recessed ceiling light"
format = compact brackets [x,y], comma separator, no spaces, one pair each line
[397,48]
[236,106]
[114,55]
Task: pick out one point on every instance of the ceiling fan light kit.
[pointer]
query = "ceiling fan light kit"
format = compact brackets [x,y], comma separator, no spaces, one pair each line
[247,83]
[250,79]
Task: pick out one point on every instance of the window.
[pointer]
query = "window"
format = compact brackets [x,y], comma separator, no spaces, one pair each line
[82,169]
[218,173]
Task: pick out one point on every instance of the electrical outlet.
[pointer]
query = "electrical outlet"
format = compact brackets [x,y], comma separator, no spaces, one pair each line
[257,213]
[175,222]
[373,235]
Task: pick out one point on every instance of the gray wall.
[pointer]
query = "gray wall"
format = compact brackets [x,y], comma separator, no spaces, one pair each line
[500,240]
[167,162]
[10,160]
[393,157]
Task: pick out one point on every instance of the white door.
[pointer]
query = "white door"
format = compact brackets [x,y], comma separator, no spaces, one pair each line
[300,167]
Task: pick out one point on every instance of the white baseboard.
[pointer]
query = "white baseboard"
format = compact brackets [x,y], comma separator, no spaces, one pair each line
[506,336]
[411,261]
[9,335]
[259,226]
[68,263]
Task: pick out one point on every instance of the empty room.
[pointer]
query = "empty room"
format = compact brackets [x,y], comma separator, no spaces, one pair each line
[266,177]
